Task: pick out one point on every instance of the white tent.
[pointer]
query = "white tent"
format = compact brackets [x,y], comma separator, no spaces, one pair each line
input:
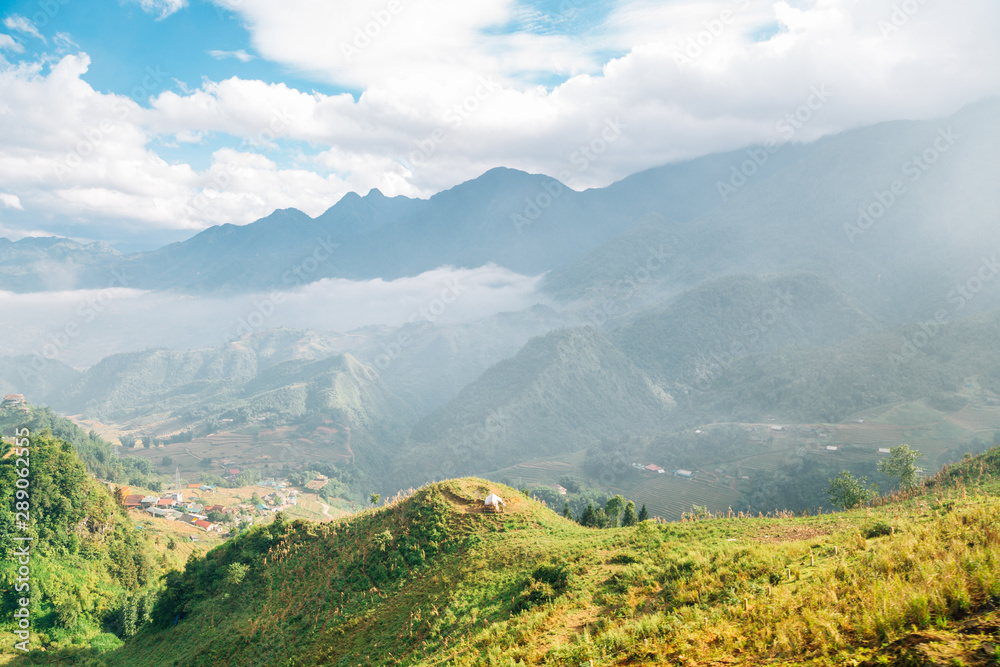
[494,501]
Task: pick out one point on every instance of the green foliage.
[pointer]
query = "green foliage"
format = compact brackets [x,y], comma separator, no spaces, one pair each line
[375,498]
[235,573]
[95,453]
[545,584]
[90,567]
[901,465]
[848,492]
[613,509]
[630,518]
[877,529]
[571,483]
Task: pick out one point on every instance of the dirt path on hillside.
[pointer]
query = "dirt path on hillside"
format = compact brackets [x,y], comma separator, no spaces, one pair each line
[326,510]
[348,445]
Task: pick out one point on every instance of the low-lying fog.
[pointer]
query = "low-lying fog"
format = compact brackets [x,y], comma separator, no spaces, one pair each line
[81,327]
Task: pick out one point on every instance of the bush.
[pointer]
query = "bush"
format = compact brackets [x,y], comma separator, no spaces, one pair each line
[545,584]
[878,529]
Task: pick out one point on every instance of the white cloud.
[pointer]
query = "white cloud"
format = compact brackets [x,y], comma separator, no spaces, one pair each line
[162,8]
[366,42]
[9,43]
[10,201]
[23,25]
[445,96]
[240,55]
[64,42]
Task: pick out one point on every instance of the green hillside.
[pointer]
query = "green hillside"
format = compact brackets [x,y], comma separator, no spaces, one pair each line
[431,580]
[562,391]
[91,575]
[697,335]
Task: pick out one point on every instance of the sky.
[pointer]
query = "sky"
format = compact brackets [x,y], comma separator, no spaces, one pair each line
[139,122]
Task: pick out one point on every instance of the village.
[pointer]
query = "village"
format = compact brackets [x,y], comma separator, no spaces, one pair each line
[191,505]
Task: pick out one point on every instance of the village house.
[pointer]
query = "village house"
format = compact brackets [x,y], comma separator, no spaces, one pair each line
[133,501]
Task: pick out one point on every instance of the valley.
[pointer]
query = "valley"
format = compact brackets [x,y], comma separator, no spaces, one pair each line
[663,388]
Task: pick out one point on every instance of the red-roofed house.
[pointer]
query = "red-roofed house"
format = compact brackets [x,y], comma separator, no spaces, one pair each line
[194,486]
[234,471]
[133,501]
[201,523]
[166,502]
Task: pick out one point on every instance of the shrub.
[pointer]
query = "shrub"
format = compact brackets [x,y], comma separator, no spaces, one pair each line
[878,529]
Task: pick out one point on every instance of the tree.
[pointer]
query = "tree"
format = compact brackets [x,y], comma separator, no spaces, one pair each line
[255,499]
[901,465]
[235,573]
[167,461]
[629,518]
[643,514]
[613,508]
[375,498]
[587,518]
[849,491]
[571,483]
[566,512]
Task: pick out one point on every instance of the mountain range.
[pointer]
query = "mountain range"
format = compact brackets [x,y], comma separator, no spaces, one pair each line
[809,281]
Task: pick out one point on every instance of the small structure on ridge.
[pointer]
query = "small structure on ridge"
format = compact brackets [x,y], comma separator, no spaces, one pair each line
[493,503]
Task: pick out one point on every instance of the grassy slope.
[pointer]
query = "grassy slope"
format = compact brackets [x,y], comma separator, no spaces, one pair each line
[807,590]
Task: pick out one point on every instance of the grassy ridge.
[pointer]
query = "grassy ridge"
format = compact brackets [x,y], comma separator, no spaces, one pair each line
[430,580]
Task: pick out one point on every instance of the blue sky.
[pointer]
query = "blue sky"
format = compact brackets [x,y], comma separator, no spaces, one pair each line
[142,121]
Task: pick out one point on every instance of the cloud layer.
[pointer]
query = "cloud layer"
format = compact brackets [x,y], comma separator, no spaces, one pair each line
[451,89]
[81,327]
